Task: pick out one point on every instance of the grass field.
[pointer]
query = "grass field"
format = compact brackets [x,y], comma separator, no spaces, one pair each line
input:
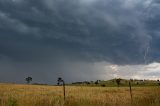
[36,95]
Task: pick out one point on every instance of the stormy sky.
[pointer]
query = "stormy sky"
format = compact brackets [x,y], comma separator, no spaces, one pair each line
[79,40]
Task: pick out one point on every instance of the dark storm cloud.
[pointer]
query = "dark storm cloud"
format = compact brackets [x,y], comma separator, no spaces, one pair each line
[54,31]
[95,28]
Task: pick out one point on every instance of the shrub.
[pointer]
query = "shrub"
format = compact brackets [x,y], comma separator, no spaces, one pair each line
[12,102]
[103,85]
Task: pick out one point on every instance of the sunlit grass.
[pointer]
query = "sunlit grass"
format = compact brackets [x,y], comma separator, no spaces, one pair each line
[36,95]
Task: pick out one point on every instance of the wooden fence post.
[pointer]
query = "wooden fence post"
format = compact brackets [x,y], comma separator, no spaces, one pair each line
[130,89]
[64,92]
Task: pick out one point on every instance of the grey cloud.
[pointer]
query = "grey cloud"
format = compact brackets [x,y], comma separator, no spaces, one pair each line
[89,31]
[98,26]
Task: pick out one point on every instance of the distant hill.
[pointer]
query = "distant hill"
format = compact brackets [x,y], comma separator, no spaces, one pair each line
[123,82]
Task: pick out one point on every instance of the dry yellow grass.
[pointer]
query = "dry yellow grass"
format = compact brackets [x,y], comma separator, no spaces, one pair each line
[36,95]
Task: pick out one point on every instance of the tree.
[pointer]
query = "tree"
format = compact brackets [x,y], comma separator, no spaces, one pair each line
[59,80]
[118,81]
[97,82]
[158,82]
[28,79]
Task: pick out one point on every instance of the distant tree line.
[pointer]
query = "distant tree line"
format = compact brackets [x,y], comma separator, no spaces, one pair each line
[117,81]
